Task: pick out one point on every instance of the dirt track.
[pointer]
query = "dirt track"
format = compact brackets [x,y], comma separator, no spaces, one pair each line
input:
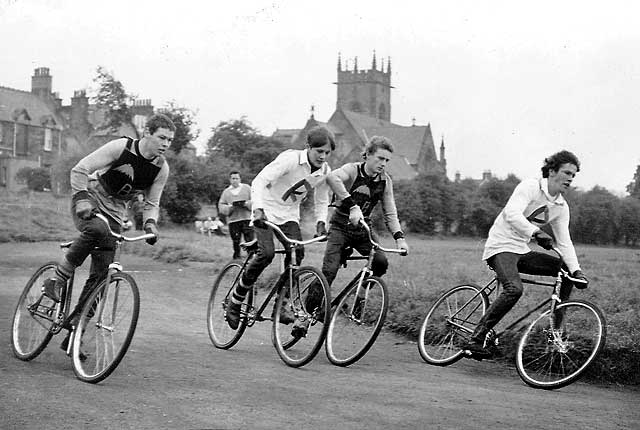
[173,378]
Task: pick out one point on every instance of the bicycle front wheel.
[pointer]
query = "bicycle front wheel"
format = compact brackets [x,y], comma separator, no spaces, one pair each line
[105,328]
[307,300]
[450,323]
[357,321]
[33,317]
[221,335]
[555,354]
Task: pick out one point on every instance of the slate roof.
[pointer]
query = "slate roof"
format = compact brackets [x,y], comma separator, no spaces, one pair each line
[12,100]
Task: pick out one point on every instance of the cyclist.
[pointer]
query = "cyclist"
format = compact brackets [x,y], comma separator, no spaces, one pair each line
[103,182]
[276,194]
[535,203]
[358,187]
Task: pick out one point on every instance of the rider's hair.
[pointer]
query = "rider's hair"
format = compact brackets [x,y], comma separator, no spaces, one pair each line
[377,142]
[319,136]
[159,121]
[556,160]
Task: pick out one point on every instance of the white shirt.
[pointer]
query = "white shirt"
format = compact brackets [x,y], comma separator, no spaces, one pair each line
[512,231]
[282,184]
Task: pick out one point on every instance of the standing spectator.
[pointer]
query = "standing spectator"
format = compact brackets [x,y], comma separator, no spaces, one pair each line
[137,208]
[235,203]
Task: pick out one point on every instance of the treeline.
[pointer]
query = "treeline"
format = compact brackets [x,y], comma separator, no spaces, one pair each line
[435,205]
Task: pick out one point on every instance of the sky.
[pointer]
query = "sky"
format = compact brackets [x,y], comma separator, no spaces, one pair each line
[504,83]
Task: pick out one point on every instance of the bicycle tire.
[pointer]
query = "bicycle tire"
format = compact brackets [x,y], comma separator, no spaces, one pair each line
[222,336]
[103,338]
[298,351]
[349,336]
[442,337]
[548,361]
[33,316]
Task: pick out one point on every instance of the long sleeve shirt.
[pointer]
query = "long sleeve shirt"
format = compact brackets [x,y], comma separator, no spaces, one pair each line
[351,180]
[115,172]
[529,208]
[282,184]
[230,195]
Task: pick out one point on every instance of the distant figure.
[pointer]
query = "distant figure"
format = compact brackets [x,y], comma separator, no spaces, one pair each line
[235,203]
[214,226]
[137,208]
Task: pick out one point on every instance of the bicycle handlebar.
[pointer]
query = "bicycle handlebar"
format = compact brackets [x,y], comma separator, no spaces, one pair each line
[283,236]
[121,237]
[402,252]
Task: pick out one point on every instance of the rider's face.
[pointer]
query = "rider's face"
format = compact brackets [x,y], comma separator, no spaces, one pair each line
[158,142]
[376,163]
[318,155]
[560,180]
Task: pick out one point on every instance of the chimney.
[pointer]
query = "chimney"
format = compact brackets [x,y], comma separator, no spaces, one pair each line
[41,83]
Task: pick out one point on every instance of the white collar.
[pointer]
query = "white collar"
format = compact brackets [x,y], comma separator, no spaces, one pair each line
[304,158]
[544,187]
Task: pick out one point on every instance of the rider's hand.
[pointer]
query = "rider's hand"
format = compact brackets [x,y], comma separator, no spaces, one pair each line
[258,218]
[84,209]
[355,215]
[543,239]
[402,244]
[321,229]
[150,227]
[579,275]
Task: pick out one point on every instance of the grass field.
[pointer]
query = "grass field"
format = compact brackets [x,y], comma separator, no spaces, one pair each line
[433,266]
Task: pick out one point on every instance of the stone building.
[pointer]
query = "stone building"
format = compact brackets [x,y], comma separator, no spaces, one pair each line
[35,127]
[363,110]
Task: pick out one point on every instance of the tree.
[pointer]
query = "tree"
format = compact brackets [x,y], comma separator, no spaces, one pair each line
[112,96]
[634,186]
[183,118]
[629,220]
[594,217]
[36,178]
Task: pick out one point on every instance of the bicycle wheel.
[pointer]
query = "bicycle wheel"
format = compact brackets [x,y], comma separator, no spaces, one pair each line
[551,358]
[297,351]
[450,323]
[357,321]
[105,328]
[221,335]
[33,317]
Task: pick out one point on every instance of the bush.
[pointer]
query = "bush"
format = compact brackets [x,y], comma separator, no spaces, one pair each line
[37,179]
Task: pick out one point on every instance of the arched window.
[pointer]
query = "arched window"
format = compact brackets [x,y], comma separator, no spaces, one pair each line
[355,106]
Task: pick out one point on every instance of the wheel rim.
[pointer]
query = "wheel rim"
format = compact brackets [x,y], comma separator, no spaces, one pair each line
[105,329]
[33,317]
[449,324]
[296,352]
[221,335]
[550,358]
[356,322]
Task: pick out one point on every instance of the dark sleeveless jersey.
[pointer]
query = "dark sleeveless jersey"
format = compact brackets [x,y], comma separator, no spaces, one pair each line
[131,173]
[366,191]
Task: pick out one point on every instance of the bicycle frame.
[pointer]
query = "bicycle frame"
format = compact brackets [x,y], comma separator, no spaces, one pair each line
[493,285]
[365,271]
[254,315]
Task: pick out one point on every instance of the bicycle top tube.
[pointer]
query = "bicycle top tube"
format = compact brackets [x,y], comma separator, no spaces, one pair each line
[121,238]
[285,238]
[376,245]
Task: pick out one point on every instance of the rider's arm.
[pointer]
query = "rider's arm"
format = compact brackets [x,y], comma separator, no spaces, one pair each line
[153,194]
[321,200]
[270,174]
[390,212]
[513,212]
[560,227]
[99,159]
[338,181]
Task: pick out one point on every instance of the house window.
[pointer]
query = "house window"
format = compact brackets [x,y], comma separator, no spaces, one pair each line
[0,134]
[3,176]
[48,139]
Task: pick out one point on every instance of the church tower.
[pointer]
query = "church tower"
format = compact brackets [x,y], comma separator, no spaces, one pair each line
[365,91]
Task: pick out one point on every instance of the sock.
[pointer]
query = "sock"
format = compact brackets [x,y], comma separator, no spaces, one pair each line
[239,292]
[63,272]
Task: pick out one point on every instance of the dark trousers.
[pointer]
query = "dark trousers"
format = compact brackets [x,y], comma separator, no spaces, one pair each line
[96,241]
[137,220]
[238,229]
[266,251]
[508,267]
[343,235]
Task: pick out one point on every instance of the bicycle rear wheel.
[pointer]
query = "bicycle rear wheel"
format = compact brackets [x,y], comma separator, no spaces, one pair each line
[33,317]
[296,351]
[221,335]
[105,328]
[551,358]
[450,323]
[357,321]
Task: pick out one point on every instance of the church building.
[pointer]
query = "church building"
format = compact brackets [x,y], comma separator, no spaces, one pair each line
[363,110]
